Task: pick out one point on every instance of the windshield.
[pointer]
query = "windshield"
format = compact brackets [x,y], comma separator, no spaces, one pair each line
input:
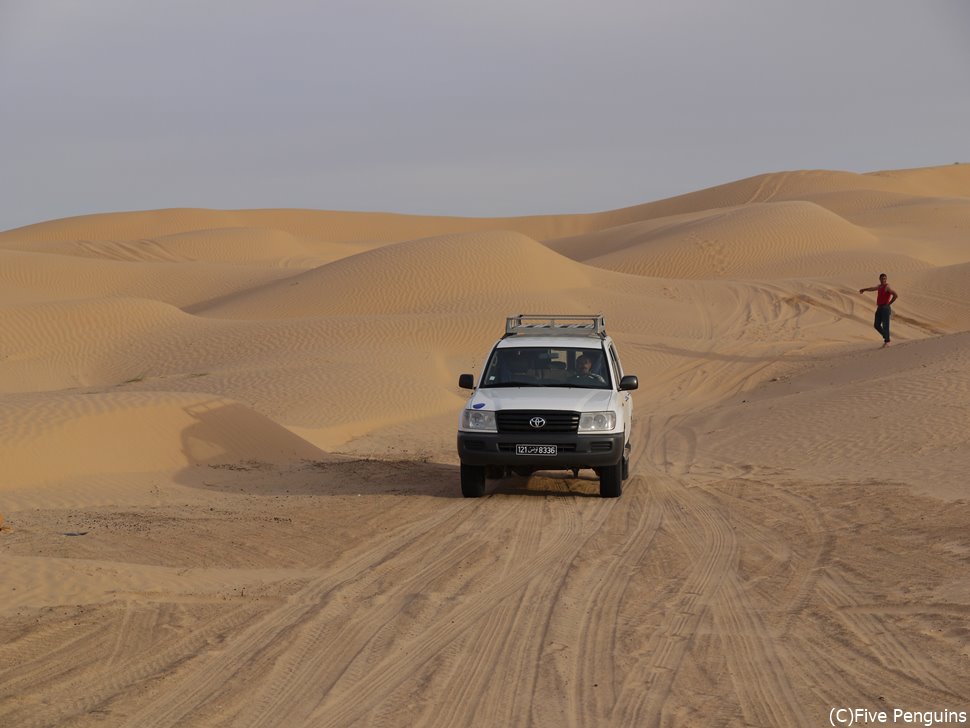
[554,366]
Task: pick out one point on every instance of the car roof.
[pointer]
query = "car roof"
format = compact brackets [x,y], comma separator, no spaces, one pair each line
[566,342]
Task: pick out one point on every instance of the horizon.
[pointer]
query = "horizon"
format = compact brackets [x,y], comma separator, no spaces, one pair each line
[469,217]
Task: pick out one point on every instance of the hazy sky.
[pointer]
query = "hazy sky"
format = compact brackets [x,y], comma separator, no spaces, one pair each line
[497,107]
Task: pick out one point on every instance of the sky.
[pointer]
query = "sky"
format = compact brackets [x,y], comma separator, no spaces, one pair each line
[459,107]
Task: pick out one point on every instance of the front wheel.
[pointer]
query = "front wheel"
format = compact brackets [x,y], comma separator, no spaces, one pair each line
[611,481]
[472,481]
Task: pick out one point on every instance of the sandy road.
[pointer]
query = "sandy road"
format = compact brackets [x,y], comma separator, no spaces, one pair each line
[707,594]
[687,598]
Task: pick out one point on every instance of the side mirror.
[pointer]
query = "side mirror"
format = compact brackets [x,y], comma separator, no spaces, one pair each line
[629,382]
[467,381]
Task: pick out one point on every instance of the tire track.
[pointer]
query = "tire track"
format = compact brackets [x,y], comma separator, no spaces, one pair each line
[821,544]
[334,640]
[768,188]
[395,668]
[711,592]
[36,666]
[97,683]
[764,690]
[37,644]
[594,667]
[495,659]
[759,673]
[760,662]
[804,532]
[496,649]
[313,644]
[125,632]
[660,660]
[207,676]
[882,644]
[837,672]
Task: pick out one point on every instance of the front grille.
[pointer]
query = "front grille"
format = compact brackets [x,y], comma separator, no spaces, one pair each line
[518,421]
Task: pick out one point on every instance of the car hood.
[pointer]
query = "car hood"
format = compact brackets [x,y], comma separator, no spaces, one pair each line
[571,399]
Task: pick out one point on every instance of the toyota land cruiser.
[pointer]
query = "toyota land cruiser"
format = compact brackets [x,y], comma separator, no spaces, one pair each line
[552,396]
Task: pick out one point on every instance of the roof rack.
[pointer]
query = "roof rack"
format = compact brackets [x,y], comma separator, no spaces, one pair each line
[556,324]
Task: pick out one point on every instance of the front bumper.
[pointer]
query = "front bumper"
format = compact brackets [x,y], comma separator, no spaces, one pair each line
[584,451]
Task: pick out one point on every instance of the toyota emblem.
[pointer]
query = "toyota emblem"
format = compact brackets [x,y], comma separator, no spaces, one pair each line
[537,422]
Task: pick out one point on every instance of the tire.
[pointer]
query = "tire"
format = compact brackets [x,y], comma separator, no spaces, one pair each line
[611,481]
[626,468]
[472,481]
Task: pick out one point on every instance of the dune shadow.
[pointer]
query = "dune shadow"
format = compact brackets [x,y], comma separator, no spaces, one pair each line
[231,448]
[331,475]
[341,475]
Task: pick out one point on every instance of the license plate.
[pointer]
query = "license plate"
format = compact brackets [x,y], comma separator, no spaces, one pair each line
[535,449]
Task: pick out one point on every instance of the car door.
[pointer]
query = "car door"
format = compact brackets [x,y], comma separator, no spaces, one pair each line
[625,398]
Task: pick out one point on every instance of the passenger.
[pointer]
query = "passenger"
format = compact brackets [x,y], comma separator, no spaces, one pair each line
[584,372]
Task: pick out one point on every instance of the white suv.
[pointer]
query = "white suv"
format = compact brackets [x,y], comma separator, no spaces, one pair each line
[552,396]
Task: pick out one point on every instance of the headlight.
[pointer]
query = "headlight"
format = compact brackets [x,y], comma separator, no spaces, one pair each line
[481,420]
[597,421]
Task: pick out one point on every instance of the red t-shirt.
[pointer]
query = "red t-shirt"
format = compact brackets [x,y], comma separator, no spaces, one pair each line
[883,295]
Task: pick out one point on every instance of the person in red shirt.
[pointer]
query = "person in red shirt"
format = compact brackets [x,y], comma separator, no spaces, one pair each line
[885,296]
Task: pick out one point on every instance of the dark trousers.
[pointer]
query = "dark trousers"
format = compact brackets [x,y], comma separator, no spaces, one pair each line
[881,324]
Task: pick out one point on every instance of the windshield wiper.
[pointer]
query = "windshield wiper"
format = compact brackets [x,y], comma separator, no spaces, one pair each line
[513,384]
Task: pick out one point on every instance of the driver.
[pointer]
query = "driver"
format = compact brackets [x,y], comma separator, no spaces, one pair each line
[584,371]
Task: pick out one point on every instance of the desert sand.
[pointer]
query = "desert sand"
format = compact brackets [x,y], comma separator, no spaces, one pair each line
[230,490]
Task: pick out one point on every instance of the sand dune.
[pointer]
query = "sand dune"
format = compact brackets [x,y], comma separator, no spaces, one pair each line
[61,345]
[230,490]
[777,240]
[40,276]
[374,228]
[239,246]
[51,438]
[939,295]
[430,275]
[898,419]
